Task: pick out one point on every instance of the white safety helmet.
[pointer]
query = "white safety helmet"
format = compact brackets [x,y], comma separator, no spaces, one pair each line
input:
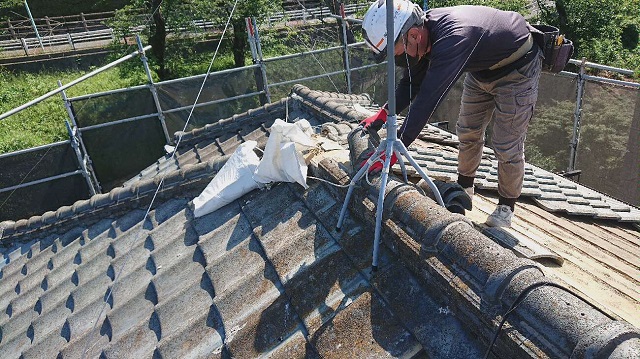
[374,25]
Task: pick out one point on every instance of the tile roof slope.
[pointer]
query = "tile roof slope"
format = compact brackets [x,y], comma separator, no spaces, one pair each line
[244,281]
[173,254]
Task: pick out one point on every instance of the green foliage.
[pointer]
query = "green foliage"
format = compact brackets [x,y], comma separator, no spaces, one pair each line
[43,123]
[42,8]
[184,36]
[510,5]
[604,132]
[603,31]
[549,135]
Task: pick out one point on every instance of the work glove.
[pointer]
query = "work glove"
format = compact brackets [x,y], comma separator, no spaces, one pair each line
[377,165]
[376,121]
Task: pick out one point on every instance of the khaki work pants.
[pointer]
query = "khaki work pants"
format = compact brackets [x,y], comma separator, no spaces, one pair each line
[510,102]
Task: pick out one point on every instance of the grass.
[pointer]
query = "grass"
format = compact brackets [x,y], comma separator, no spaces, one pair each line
[44,122]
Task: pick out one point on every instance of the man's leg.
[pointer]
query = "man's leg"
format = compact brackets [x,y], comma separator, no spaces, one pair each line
[516,95]
[475,113]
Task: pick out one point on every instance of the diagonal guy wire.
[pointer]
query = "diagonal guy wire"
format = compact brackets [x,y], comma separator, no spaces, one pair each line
[128,253]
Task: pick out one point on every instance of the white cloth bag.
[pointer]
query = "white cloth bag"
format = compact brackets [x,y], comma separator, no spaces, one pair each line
[282,160]
[233,180]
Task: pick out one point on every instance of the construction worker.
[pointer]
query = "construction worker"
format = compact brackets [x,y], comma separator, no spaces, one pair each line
[503,64]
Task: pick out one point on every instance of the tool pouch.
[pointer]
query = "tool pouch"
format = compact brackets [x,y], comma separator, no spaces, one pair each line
[557,53]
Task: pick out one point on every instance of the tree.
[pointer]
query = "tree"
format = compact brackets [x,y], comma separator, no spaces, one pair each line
[260,9]
[603,31]
[170,26]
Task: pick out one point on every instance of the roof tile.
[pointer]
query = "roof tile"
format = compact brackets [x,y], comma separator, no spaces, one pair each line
[365,328]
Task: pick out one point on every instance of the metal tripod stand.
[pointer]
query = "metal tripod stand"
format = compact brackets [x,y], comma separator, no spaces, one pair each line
[387,146]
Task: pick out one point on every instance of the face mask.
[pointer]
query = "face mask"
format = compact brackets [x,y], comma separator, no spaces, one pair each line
[404,60]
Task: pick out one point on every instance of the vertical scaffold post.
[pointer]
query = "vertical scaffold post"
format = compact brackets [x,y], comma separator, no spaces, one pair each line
[577,116]
[33,23]
[258,73]
[153,89]
[345,42]
[84,161]
[260,60]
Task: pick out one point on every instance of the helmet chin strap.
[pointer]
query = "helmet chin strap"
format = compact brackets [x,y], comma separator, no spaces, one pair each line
[406,56]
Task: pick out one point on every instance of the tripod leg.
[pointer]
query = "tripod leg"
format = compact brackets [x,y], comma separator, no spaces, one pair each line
[379,207]
[374,157]
[403,168]
[403,150]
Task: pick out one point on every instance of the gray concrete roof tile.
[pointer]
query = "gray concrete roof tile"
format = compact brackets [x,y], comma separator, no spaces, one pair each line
[89,290]
[175,234]
[431,320]
[12,273]
[52,344]
[129,315]
[130,286]
[170,280]
[83,320]
[18,325]
[377,334]
[262,331]
[130,261]
[26,300]
[198,339]
[246,296]
[47,323]
[33,280]
[297,251]
[216,237]
[243,258]
[177,312]
[56,296]
[295,346]
[88,345]
[59,274]
[92,268]
[336,283]
[13,347]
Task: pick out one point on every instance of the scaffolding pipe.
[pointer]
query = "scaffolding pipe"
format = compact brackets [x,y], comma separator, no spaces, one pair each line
[284,57]
[52,178]
[33,149]
[33,23]
[601,67]
[576,118]
[106,93]
[81,162]
[76,139]
[261,59]
[196,77]
[152,87]
[72,83]
[118,122]
[215,102]
[327,74]
[343,23]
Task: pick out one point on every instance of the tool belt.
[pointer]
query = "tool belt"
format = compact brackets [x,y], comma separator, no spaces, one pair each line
[526,47]
[516,60]
[557,49]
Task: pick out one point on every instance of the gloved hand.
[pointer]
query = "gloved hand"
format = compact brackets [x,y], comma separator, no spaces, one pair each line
[376,121]
[377,165]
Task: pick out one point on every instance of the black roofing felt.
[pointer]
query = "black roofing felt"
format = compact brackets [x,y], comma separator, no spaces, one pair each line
[269,274]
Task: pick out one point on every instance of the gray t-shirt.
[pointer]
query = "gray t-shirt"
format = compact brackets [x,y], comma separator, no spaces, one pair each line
[463,39]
